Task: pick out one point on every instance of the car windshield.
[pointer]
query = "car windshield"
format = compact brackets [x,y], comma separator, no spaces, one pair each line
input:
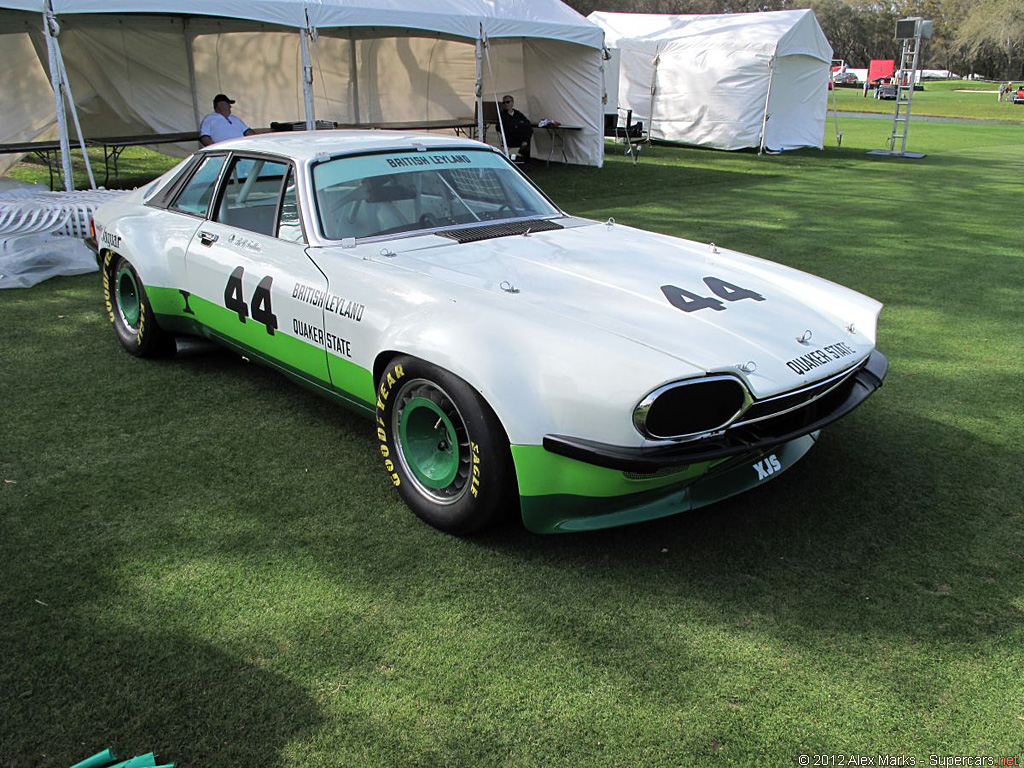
[383,194]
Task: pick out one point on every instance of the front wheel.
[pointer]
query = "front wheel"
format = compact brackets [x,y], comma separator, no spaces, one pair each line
[443,447]
[129,310]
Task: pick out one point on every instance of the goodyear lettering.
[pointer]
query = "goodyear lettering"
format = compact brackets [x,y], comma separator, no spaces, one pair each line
[820,357]
[106,285]
[474,485]
[329,302]
[382,433]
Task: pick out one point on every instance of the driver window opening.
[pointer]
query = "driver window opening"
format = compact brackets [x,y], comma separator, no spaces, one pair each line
[251,194]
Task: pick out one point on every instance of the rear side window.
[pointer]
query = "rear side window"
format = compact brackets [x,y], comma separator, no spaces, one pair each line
[252,191]
[164,189]
[197,193]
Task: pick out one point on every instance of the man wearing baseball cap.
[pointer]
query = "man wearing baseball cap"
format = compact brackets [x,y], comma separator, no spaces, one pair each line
[220,124]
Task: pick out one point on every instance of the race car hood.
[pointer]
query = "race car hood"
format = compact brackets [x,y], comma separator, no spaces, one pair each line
[713,309]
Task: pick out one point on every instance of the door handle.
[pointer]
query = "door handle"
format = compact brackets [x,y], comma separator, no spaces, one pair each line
[208,238]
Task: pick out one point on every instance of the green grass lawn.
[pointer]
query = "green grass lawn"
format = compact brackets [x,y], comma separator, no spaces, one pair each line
[952,98]
[136,166]
[200,558]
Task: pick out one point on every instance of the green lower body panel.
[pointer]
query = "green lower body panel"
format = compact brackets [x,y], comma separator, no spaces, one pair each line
[295,357]
[561,495]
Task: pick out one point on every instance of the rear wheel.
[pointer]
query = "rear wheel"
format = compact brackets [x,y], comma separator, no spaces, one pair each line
[443,447]
[130,311]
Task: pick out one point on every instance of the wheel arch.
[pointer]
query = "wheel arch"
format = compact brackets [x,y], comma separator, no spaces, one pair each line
[385,357]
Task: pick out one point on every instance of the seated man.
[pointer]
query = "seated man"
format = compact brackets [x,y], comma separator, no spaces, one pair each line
[516,127]
[220,124]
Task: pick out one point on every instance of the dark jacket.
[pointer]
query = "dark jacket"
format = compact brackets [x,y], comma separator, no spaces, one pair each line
[516,127]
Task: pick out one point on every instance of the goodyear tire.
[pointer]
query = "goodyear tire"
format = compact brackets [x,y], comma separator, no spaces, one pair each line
[443,447]
[129,310]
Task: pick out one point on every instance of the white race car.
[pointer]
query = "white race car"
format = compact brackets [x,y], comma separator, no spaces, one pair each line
[513,357]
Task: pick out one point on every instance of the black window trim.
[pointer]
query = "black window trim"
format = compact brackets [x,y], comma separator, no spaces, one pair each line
[265,156]
[216,185]
[162,199]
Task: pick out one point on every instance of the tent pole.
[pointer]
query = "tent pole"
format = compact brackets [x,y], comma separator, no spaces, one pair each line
[74,111]
[494,85]
[305,35]
[654,91]
[186,30]
[58,97]
[353,74]
[767,98]
[480,85]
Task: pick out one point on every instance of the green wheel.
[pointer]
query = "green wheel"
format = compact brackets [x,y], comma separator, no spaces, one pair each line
[443,447]
[129,306]
[433,445]
[129,310]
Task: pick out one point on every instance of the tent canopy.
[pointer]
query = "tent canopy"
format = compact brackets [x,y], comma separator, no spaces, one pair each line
[460,18]
[779,33]
[728,81]
[153,66]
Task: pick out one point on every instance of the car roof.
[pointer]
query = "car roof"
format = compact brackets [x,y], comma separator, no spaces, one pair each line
[306,145]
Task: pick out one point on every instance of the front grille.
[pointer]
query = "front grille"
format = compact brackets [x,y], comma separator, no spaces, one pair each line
[490,231]
[817,414]
[790,401]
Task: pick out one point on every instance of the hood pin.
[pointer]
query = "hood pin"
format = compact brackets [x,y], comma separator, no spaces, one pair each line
[804,337]
[507,287]
[748,367]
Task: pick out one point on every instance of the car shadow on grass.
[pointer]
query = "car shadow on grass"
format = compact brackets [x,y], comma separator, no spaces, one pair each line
[870,533]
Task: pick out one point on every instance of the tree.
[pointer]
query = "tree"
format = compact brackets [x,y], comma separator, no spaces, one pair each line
[995,25]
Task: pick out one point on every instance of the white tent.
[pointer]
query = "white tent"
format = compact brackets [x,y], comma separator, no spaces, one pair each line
[729,81]
[153,66]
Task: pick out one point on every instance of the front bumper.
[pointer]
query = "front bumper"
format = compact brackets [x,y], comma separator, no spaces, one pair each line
[743,440]
[586,508]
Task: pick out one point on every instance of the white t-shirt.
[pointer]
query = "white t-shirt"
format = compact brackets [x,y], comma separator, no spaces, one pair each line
[220,128]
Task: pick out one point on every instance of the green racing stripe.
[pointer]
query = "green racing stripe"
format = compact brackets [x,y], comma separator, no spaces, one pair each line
[292,354]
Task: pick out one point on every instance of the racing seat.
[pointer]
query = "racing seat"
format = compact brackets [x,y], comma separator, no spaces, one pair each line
[377,205]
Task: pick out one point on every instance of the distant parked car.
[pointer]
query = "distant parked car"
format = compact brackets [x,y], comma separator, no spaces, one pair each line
[886,91]
[1018,95]
[845,79]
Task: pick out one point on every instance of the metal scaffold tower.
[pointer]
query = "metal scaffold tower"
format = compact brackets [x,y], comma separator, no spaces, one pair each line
[910,31]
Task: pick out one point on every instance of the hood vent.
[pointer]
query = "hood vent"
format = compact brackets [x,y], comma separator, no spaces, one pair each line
[491,231]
